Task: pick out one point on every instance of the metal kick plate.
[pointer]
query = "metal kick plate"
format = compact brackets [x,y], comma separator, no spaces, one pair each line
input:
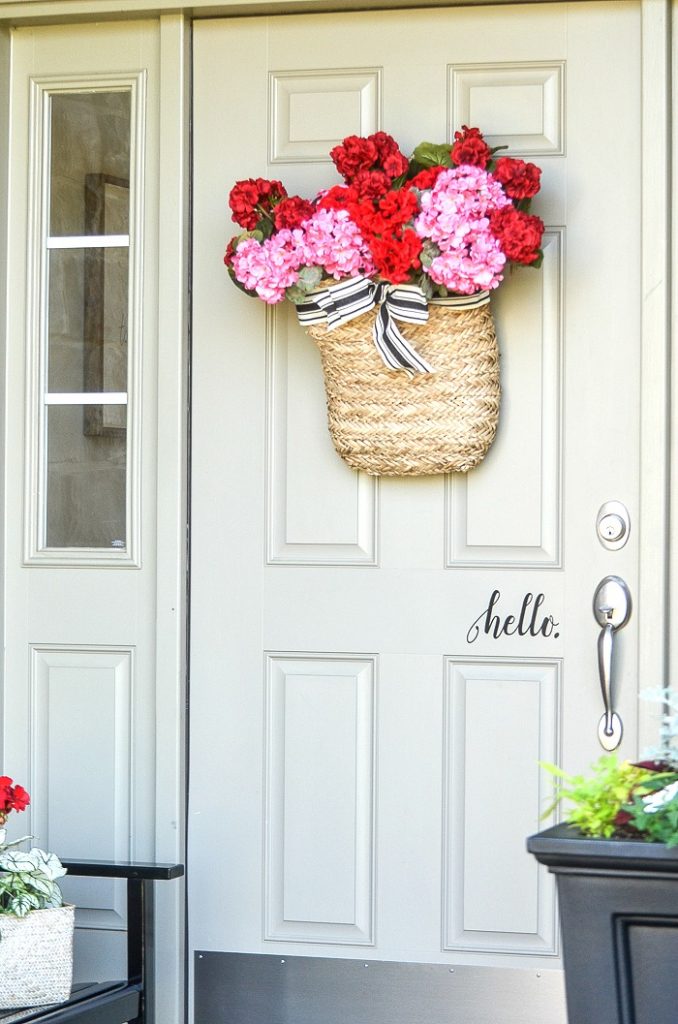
[256,988]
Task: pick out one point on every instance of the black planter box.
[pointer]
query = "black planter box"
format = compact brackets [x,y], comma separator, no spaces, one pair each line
[619,923]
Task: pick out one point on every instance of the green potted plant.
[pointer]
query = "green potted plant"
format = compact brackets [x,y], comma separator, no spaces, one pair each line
[36,927]
[615,859]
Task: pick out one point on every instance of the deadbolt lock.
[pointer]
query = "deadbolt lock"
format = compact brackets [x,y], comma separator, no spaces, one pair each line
[613,525]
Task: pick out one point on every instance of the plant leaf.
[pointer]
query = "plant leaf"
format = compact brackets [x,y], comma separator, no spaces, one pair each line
[429,154]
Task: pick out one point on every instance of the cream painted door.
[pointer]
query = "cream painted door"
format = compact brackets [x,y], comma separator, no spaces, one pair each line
[364,733]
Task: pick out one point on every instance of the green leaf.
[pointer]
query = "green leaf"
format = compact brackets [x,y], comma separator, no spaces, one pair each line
[41,885]
[426,285]
[429,251]
[430,154]
[54,900]
[241,286]
[656,820]
[308,281]
[47,864]
[598,799]
[22,903]
[295,294]
[264,229]
[310,278]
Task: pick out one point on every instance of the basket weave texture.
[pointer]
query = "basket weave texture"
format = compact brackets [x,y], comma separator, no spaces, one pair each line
[386,424]
[36,957]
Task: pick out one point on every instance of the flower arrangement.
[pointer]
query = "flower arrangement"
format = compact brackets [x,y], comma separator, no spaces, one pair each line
[28,879]
[420,240]
[629,800]
[448,220]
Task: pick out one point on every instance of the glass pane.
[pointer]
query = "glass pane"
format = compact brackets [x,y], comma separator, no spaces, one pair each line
[86,473]
[90,151]
[87,319]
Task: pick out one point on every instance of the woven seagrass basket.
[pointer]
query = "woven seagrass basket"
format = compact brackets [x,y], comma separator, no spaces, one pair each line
[387,424]
[36,957]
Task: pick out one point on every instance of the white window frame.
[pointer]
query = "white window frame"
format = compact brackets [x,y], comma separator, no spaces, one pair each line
[38,398]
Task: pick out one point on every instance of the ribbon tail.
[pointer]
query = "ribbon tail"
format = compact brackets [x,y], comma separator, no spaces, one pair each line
[394,349]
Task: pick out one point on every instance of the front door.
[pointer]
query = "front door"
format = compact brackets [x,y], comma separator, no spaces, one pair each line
[366,718]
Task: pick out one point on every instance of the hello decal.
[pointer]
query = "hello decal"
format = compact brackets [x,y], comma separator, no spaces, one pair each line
[529,620]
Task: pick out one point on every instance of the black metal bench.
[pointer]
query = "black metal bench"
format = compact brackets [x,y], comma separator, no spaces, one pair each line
[114,1002]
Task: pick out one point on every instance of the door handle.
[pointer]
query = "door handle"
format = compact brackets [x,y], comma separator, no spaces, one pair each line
[612,610]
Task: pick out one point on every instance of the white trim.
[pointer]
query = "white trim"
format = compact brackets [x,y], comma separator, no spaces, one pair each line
[653,587]
[85,398]
[23,12]
[137,193]
[173,245]
[88,242]
[672,666]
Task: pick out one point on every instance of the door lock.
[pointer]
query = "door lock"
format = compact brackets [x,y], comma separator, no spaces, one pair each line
[613,525]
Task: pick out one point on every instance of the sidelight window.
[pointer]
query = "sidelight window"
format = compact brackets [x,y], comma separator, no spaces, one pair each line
[84,346]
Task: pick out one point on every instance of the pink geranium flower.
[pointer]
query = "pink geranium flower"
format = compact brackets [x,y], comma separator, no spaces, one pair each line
[475,263]
[268,267]
[333,241]
[455,216]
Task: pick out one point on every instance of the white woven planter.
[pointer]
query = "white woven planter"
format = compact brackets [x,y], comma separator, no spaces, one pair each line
[36,957]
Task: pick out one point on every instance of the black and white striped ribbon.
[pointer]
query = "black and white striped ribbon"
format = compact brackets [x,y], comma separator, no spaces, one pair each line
[346,300]
[462,301]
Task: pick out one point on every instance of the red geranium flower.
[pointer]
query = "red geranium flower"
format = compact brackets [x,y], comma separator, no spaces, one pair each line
[394,258]
[387,215]
[270,191]
[230,252]
[353,155]
[12,798]
[292,212]
[470,148]
[519,234]
[242,201]
[426,178]
[520,179]
[368,219]
[389,157]
[254,198]
[371,184]
[398,207]
[376,153]
[5,792]
[339,197]
[395,165]
[21,799]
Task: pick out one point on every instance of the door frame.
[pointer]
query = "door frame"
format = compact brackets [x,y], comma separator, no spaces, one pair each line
[657,616]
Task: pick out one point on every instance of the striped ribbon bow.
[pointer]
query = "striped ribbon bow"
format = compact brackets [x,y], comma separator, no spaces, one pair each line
[342,302]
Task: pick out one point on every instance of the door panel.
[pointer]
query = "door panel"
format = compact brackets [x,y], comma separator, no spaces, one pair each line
[355,679]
